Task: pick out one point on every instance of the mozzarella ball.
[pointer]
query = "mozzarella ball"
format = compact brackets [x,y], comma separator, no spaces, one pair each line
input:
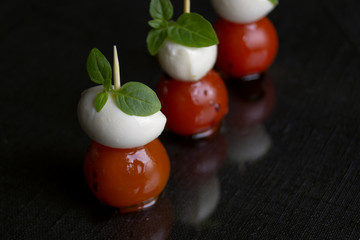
[186,63]
[242,11]
[112,127]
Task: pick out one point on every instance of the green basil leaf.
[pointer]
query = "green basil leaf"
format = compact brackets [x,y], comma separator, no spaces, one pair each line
[135,98]
[100,100]
[155,39]
[161,9]
[157,23]
[107,84]
[192,30]
[274,2]
[98,67]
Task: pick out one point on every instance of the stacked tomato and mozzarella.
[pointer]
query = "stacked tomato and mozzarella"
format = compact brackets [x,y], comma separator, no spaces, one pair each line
[193,96]
[248,40]
[112,127]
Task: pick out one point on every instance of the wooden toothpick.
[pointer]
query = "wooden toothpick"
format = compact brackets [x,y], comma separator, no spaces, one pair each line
[186,6]
[116,70]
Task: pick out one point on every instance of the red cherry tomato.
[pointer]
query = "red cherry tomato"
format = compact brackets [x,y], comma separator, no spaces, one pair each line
[193,107]
[130,179]
[245,49]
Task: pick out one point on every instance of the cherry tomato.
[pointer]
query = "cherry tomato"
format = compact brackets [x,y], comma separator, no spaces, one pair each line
[193,107]
[130,179]
[245,49]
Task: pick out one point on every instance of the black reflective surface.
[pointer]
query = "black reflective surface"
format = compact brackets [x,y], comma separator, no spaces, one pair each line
[285,164]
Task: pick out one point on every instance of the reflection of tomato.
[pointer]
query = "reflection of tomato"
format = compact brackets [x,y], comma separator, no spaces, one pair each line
[245,48]
[194,159]
[251,102]
[129,179]
[195,165]
[193,107]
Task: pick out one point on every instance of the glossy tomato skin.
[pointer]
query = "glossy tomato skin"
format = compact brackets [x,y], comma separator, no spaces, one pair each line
[245,49]
[193,107]
[129,179]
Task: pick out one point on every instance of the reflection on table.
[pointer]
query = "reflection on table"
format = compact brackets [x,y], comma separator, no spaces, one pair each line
[194,188]
[251,102]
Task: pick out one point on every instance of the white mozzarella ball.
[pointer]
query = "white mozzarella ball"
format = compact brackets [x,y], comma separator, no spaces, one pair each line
[114,128]
[186,63]
[242,11]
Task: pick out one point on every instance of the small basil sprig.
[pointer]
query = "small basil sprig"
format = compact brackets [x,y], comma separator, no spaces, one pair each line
[133,98]
[190,29]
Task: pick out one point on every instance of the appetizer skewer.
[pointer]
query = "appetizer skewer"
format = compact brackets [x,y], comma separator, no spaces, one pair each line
[126,165]
[193,96]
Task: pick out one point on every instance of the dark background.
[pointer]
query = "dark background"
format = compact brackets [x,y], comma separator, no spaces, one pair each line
[294,175]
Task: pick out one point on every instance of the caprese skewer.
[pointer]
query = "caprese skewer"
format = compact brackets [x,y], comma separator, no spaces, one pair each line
[126,165]
[193,96]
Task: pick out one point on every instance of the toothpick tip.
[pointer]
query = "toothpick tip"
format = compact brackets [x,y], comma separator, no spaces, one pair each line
[116,70]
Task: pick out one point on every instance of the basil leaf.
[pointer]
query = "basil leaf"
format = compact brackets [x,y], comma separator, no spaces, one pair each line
[155,39]
[107,84]
[161,9]
[274,2]
[135,98]
[98,67]
[100,100]
[192,30]
[157,23]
